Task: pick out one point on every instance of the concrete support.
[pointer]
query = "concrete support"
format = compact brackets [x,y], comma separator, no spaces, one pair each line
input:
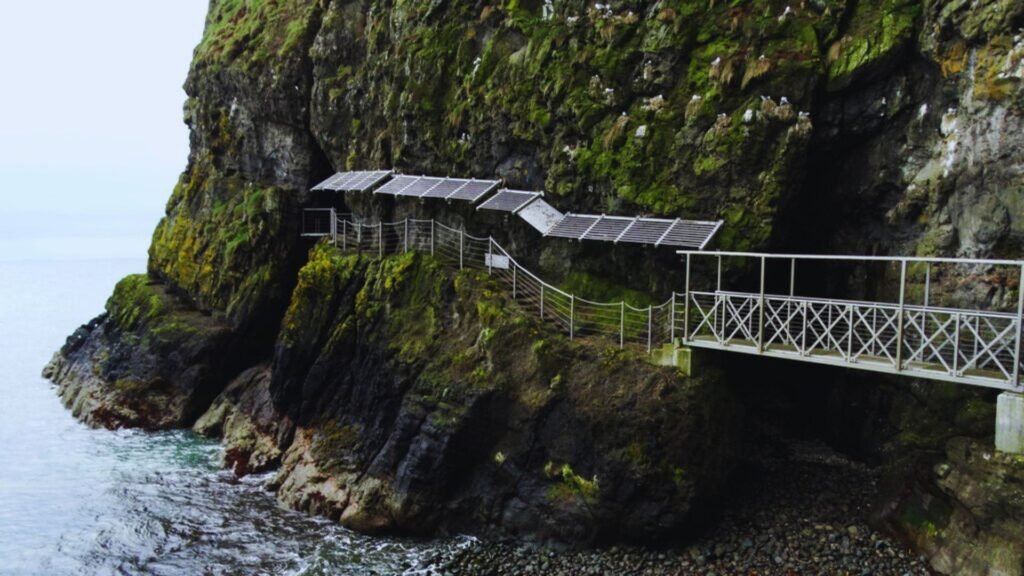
[1010,423]
[680,357]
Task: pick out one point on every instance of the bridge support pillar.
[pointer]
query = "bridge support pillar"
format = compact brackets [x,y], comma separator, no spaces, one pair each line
[1010,423]
[681,357]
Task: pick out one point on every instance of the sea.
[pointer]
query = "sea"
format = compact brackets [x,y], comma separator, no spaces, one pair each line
[81,501]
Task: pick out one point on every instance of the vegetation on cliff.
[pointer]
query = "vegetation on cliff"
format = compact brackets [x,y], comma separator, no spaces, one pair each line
[430,401]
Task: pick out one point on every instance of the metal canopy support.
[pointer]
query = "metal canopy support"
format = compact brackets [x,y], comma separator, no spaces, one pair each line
[462,243]
[490,255]
[686,305]
[431,236]
[334,228]
[406,235]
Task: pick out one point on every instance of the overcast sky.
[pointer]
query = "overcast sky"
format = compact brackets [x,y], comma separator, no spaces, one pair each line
[91,132]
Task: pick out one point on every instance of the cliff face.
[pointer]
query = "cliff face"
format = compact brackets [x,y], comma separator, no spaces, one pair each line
[858,127]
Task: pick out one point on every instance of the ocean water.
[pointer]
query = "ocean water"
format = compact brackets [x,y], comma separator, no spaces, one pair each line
[79,501]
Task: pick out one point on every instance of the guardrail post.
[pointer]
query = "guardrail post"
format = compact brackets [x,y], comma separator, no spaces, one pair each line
[849,343]
[956,344]
[572,314]
[490,254]
[927,281]
[760,312]
[334,229]
[380,239]
[672,320]
[1020,317]
[650,327]
[803,330]
[514,282]
[462,241]
[406,234]
[622,324]
[344,235]
[899,319]
[720,300]
[541,301]
[431,236]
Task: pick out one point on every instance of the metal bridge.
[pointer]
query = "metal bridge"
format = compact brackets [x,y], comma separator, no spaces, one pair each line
[977,347]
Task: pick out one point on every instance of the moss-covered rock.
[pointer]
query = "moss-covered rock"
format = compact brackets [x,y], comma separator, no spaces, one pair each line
[151,361]
[964,512]
[874,37]
[407,385]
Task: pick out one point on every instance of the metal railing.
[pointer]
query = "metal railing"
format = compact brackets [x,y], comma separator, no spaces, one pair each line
[977,347]
[620,322]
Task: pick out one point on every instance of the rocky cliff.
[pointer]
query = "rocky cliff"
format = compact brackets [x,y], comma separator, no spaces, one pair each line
[859,127]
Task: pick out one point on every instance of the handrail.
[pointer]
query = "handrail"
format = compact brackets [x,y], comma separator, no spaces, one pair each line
[887,305]
[851,258]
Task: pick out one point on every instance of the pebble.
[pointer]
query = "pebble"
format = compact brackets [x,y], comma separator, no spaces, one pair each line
[806,514]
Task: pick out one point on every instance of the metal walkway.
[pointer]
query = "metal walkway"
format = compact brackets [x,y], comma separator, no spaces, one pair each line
[976,347]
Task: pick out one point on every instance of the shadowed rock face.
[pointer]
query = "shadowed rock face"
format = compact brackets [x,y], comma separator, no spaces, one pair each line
[422,404]
[854,127]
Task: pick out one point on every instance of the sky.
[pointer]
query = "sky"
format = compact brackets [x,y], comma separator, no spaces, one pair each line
[91,132]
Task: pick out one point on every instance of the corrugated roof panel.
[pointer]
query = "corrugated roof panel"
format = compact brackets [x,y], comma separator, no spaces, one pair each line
[445,187]
[689,234]
[396,185]
[353,181]
[473,190]
[573,226]
[608,228]
[509,200]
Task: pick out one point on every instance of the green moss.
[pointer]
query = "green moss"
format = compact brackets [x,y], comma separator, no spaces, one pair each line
[570,485]
[221,240]
[333,443]
[925,520]
[875,32]
[594,287]
[135,303]
[252,32]
[140,306]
